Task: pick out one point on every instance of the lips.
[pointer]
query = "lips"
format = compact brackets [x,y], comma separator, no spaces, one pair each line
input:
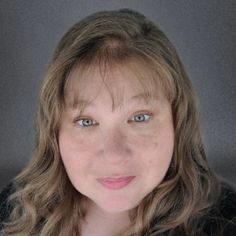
[115,183]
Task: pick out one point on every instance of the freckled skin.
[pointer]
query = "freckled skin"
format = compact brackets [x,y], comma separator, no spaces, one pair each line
[116,146]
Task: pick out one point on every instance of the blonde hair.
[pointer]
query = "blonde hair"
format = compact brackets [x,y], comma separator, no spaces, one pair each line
[46,203]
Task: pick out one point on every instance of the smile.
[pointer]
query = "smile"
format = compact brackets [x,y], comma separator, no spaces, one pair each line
[115,183]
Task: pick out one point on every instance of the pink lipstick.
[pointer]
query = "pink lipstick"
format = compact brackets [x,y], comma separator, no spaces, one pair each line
[115,183]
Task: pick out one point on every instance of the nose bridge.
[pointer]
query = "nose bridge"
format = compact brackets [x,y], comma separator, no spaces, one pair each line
[115,147]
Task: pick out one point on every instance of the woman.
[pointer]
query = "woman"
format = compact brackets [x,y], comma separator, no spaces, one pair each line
[119,149]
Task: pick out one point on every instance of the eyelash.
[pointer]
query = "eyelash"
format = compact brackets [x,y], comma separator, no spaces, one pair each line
[147,117]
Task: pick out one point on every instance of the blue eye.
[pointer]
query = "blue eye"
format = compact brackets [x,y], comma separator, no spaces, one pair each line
[85,122]
[141,118]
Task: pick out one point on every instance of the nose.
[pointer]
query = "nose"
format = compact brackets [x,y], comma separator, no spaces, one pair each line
[114,147]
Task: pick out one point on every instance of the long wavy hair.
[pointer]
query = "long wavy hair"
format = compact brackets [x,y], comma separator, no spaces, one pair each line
[46,203]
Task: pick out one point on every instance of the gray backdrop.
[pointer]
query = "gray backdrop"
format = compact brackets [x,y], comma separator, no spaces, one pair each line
[203,31]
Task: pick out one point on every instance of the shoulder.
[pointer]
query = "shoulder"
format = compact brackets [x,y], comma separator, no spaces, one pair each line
[221,219]
[227,201]
[5,207]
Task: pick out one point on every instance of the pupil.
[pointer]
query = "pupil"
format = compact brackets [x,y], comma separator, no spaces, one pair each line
[139,118]
[87,122]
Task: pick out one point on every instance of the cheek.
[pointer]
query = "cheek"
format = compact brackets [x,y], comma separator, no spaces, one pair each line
[76,159]
[73,147]
[157,151]
[72,153]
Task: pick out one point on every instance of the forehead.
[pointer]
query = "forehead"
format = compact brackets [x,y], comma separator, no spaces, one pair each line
[121,82]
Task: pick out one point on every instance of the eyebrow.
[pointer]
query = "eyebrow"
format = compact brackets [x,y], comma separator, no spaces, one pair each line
[146,97]
[143,97]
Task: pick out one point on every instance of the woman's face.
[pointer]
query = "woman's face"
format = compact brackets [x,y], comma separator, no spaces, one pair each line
[117,156]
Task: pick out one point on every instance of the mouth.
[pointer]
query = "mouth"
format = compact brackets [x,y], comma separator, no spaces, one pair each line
[115,183]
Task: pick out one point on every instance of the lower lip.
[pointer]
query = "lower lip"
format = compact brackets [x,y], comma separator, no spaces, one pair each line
[116,183]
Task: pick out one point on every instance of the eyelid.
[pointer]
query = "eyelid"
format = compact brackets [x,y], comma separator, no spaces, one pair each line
[143,112]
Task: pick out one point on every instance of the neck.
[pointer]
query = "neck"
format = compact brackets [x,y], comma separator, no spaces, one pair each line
[99,222]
